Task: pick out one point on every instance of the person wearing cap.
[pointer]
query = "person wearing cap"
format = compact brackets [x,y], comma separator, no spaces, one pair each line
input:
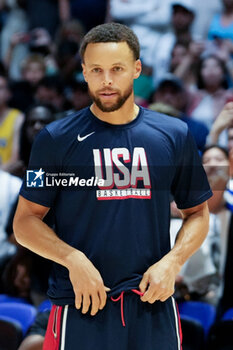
[182,18]
[170,98]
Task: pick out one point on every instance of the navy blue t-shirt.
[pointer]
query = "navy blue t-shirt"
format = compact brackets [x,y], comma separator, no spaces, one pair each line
[120,221]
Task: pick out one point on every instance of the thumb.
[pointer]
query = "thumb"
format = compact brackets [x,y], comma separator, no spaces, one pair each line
[144,283]
[107,289]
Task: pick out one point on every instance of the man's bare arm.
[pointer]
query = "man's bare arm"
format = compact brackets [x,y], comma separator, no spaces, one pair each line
[32,233]
[159,280]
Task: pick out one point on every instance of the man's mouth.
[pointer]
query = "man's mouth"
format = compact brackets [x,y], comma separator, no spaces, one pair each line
[107,94]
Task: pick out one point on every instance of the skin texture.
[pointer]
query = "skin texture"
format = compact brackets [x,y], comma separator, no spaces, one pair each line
[109,67]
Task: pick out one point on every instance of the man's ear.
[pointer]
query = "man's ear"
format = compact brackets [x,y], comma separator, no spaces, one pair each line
[138,69]
[84,72]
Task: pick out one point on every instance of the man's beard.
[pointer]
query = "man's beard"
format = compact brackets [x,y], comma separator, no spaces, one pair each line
[121,99]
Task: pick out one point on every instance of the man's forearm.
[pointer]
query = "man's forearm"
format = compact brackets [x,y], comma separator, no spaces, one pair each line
[191,235]
[32,233]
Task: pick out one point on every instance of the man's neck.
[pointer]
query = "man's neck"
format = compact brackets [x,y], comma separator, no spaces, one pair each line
[127,113]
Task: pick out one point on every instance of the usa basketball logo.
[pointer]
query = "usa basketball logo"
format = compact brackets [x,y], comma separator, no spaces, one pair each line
[121,181]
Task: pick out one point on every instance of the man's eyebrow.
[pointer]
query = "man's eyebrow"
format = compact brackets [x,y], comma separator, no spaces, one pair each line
[114,64]
[118,64]
[94,65]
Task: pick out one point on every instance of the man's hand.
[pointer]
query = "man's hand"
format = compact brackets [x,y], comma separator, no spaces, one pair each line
[159,280]
[87,283]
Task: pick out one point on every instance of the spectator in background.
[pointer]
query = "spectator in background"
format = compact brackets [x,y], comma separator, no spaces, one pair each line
[16,277]
[149,19]
[67,56]
[79,96]
[224,124]
[51,91]
[37,116]
[9,186]
[171,98]
[10,124]
[221,126]
[16,22]
[222,23]
[38,42]
[33,70]
[212,93]
[70,30]
[26,274]
[201,278]
[185,58]
[43,14]
[205,10]
[183,15]
[90,13]
[68,59]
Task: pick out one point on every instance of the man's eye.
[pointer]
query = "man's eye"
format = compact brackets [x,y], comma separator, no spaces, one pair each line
[117,69]
[96,70]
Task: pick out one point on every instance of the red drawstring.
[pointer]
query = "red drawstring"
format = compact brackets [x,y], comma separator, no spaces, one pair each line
[137,292]
[121,297]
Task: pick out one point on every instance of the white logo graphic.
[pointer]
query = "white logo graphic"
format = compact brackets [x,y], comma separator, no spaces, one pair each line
[35,178]
[81,138]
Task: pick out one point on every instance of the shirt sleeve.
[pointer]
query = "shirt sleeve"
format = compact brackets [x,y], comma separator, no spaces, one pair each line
[43,160]
[190,186]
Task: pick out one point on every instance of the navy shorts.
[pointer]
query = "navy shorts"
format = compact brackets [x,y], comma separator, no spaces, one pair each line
[126,324]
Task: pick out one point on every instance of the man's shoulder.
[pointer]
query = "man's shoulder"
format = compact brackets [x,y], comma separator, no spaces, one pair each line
[68,124]
[164,122]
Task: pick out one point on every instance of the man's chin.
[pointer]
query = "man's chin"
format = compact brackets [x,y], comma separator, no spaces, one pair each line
[108,107]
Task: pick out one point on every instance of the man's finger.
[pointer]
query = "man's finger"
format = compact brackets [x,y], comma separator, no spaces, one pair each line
[165,297]
[78,300]
[148,294]
[103,298]
[155,297]
[86,303]
[95,302]
[144,283]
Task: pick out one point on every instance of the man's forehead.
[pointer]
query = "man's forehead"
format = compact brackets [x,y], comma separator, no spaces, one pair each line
[99,52]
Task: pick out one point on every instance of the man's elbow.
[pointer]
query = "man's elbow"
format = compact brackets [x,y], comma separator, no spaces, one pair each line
[18,230]
[200,212]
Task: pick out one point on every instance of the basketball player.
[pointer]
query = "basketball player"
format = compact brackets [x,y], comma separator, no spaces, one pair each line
[114,271]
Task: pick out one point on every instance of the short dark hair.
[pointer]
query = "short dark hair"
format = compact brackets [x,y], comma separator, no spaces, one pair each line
[111,32]
[223,149]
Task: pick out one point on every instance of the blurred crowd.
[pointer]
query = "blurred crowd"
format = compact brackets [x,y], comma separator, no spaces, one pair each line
[187,59]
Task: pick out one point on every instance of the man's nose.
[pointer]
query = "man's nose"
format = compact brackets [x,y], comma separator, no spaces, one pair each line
[107,79]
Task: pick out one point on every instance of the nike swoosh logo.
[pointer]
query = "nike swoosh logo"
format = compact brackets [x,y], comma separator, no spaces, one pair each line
[81,138]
